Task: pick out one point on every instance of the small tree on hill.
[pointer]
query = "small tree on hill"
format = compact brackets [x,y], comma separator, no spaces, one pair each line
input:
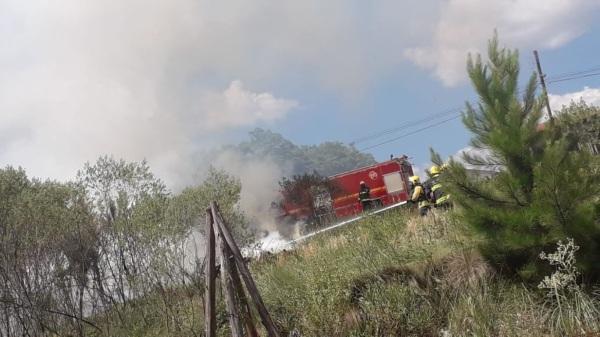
[545,191]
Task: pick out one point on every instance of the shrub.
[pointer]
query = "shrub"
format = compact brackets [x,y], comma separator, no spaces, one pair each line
[569,310]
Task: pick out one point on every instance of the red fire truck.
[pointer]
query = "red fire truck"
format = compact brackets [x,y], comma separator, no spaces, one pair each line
[388,182]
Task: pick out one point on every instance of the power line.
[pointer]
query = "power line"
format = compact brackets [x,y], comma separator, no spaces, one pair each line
[411,133]
[590,72]
[405,125]
[564,75]
[574,77]
[457,111]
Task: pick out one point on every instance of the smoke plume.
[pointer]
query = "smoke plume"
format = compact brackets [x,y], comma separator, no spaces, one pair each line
[260,185]
[166,80]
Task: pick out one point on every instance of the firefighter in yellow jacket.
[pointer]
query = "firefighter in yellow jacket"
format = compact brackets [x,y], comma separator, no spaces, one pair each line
[439,198]
[419,195]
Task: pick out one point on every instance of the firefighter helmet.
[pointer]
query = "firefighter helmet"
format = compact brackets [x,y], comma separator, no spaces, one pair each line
[361,182]
[414,179]
[434,170]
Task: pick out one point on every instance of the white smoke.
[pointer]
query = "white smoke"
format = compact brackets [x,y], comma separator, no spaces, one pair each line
[55,140]
[155,79]
[260,184]
[159,79]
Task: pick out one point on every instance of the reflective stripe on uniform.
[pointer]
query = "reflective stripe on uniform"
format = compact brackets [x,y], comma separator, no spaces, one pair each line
[442,199]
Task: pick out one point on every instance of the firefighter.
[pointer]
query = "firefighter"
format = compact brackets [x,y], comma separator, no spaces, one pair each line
[364,196]
[438,197]
[419,195]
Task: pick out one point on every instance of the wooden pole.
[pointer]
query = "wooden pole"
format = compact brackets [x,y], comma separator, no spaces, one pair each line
[245,307]
[543,83]
[229,291]
[250,285]
[210,274]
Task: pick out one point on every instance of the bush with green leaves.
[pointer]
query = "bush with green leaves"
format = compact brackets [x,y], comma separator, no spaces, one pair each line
[47,253]
[188,208]
[90,255]
[544,191]
[581,124]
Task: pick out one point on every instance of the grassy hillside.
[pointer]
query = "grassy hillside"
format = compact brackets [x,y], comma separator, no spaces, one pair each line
[389,275]
[362,280]
[394,275]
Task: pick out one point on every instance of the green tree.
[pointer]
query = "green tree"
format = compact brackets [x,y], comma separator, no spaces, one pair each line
[544,191]
[189,207]
[134,239]
[327,158]
[47,248]
[331,158]
[581,124]
[268,144]
[108,246]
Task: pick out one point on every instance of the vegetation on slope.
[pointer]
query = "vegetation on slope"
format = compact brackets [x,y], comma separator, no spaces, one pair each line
[394,274]
[99,246]
[115,238]
[545,189]
[400,275]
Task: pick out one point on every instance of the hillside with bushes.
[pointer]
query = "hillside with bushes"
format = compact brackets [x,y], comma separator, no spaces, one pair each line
[395,274]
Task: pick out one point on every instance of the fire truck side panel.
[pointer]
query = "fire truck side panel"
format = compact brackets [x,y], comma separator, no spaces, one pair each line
[388,182]
[345,200]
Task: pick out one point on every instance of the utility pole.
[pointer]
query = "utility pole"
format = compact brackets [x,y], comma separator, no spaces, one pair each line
[544,90]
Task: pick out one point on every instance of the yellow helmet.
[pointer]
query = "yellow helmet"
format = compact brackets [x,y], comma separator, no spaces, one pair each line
[414,179]
[434,170]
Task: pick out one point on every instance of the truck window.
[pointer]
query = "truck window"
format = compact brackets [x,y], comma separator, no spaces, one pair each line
[393,182]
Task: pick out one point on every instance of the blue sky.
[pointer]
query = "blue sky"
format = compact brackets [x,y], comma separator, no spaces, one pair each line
[409,93]
[168,81]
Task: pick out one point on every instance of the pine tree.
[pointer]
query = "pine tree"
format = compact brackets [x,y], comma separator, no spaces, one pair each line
[544,190]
